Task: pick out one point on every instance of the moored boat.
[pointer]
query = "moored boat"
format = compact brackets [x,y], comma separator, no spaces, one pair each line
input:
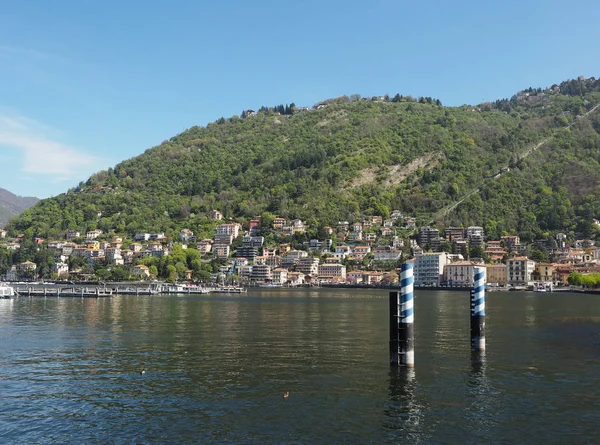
[7,291]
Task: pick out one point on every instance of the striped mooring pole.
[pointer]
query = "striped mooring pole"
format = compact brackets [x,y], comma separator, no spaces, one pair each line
[478,310]
[406,331]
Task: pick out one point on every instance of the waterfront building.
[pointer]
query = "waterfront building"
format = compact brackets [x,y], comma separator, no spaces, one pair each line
[308,266]
[429,268]
[519,271]
[332,270]
[280,275]
[496,274]
[460,273]
[261,273]
[544,272]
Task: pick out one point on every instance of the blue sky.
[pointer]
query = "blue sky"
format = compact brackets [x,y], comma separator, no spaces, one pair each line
[86,84]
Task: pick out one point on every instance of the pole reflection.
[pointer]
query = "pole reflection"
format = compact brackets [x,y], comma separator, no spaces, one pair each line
[404,415]
[481,409]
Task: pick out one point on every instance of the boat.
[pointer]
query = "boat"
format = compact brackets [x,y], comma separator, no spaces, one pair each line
[542,287]
[269,285]
[230,290]
[7,291]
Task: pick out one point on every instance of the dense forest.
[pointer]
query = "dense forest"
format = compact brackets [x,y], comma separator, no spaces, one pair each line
[354,156]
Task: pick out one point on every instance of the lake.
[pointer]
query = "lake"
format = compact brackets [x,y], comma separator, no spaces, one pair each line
[218,367]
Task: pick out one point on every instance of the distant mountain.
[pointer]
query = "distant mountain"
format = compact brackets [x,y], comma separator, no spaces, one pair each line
[528,165]
[12,205]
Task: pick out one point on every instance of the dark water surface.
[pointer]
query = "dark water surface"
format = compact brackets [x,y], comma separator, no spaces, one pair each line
[217,368]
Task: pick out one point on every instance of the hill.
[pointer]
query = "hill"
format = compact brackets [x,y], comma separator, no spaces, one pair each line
[528,164]
[12,205]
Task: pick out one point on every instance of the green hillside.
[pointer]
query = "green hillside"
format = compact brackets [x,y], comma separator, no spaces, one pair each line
[358,156]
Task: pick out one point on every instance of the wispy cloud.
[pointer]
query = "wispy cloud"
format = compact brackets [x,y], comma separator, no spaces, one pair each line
[42,153]
[7,51]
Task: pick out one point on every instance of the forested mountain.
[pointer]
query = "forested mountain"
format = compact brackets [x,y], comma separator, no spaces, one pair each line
[351,156]
[11,205]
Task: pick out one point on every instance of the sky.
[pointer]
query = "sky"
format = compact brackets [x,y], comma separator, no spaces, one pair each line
[87,84]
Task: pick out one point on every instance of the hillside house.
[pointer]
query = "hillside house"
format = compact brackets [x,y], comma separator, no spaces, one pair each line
[140,271]
[221,250]
[92,235]
[186,235]
[204,246]
[215,215]
[72,234]
[229,229]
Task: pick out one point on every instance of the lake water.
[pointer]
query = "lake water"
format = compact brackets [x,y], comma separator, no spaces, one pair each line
[217,368]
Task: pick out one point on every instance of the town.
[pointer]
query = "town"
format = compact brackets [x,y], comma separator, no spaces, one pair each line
[364,252]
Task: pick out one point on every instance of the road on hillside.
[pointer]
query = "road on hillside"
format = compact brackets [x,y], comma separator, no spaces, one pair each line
[446,210]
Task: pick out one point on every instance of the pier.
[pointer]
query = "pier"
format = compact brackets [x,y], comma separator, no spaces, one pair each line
[108,290]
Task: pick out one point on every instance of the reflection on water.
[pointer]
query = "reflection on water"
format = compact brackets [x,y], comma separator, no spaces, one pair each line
[217,368]
[403,412]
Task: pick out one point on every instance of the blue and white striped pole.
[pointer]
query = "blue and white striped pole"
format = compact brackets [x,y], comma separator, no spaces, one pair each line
[406,332]
[478,310]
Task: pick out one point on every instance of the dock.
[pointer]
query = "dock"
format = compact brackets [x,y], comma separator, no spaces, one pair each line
[108,290]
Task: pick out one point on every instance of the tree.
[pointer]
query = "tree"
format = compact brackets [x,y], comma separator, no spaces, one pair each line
[171,273]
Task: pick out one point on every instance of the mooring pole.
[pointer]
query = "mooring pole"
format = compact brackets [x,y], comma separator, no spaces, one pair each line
[406,332]
[394,328]
[478,310]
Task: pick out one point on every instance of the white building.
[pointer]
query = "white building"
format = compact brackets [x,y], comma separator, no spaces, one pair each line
[261,273]
[280,276]
[229,229]
[221,250]
[93,234]
[519,270]
[308,266]
[332,270]
[387,255]
[186,235]
[61,269]
[460,273]
[71,234]
[342,251]
[429,268]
